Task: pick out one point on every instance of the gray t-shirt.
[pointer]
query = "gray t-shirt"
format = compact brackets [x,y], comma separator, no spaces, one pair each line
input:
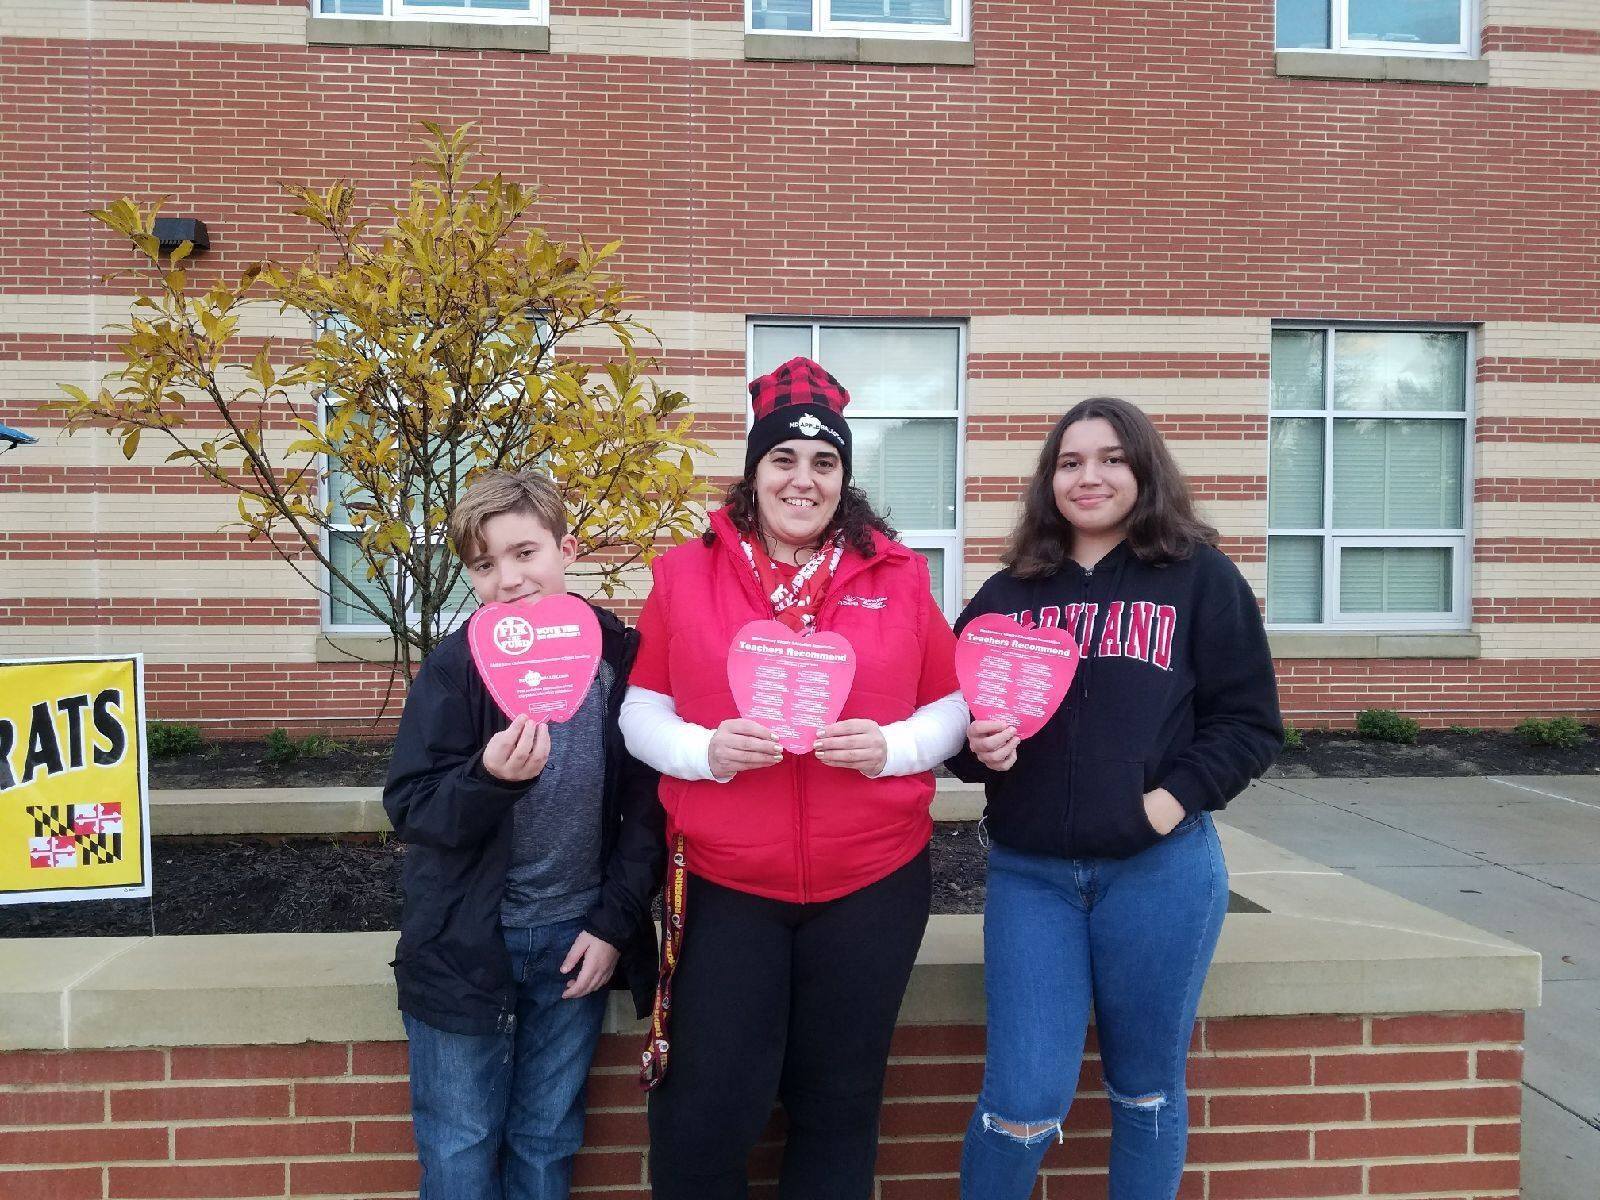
[555,849]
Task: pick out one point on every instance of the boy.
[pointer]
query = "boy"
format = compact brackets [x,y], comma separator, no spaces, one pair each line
[531,855]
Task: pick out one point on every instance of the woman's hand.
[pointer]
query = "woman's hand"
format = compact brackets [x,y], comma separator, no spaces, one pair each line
[594,961]
[518,752]
[994,744]
[1162,810]
[741,745]
[857,744]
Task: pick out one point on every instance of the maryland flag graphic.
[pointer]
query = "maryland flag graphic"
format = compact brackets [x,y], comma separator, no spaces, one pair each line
[73,813]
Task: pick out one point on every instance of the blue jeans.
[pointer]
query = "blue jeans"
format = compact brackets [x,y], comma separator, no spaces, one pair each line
[499,1116]
[1132,938]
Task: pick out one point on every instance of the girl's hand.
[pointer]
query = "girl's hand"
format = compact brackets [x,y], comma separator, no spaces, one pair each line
[994,743]
[1163,811]
[857,744]
[518,752]
[741,745]
[594,961]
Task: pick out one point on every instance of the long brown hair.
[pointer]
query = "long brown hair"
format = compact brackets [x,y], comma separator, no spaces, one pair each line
[854,518]
[1162,525]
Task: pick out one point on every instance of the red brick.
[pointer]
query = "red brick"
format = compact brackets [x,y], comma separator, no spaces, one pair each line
[1283,1033]
[615,1050]
[1410,1141]
[1497,1139]
[1427,1029]
[81,1066]
[933,1079]
[1317,1108]
[1498,1064]
[36,1147]
[199,1103]
[1271,1145]
[358,1176]
[385,1137]
[948,1188]
[1484,1175]
[52,1108]
[260,1062]
[625,1127]
[608,1168]
[1446,1102]
[178,1182]
[925,1118]
[1208,1072]
[1284,1183]
[291,1139]
[939,1041]
[1423,1067]
[351,1099]
[379,1058]
[611,1089]
[73,1183]
[919,1158]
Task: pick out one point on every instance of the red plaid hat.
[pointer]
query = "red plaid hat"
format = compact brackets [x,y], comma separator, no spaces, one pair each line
[798,400]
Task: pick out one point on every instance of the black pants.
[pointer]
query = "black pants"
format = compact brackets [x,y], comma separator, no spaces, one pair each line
[784,1001]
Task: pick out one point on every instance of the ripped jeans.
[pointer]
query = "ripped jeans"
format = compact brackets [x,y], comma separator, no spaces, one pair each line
[1132,938]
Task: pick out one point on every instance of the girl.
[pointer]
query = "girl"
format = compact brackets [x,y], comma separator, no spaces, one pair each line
[1107,886]
[802,883]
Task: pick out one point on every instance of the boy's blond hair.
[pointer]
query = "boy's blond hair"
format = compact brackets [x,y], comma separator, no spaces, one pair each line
[496,492]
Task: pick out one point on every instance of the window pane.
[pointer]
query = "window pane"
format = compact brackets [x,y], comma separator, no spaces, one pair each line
[1297,358]
[908,469]
[780,14]
[1303,24]
[345,551]
[459,601]
[357,8]
[775,345]
[1393,372]
[1374,579]
[1294,580]
[1294,500]
[1418,22]
[1397,474]
[889,367]
[520,6]
[935,572]
[891,12]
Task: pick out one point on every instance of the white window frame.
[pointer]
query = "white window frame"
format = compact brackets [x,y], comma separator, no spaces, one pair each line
[950,541]
[1339,41]
[822,26]
[400,10]
[1335,539]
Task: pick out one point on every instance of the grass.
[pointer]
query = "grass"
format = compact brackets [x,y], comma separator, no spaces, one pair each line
[283,749]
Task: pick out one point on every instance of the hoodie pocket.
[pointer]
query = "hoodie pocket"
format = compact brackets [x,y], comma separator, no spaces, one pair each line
[1109,820]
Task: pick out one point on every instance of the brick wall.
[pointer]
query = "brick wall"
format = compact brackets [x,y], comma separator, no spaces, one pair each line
[1280,1108]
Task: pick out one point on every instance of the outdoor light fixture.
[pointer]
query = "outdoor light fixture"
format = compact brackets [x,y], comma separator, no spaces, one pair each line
[11,438]
[172,232]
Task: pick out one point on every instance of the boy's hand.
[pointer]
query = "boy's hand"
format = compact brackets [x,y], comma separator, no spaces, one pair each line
[518,752]
[596,959]
[994,743]
[741,745]
[859,744]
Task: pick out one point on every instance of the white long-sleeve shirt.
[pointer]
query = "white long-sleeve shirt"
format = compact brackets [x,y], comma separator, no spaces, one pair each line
[658,737]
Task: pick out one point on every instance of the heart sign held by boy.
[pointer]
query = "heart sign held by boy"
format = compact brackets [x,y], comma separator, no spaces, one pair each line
[536,659]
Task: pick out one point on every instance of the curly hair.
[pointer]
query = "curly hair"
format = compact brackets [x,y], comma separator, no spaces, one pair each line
[1162,526]
[854,518]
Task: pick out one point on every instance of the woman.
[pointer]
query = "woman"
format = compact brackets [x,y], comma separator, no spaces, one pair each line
[803,880]
[1107,886]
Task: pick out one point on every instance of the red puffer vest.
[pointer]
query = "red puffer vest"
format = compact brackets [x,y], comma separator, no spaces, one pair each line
[798,831]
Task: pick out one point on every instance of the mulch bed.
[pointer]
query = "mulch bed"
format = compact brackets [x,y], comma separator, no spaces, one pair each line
[329,885]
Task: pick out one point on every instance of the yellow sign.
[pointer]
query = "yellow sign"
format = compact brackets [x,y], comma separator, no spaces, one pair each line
[74,809]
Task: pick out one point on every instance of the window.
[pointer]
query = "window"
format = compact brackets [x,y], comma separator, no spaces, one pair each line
[522,12]
[906,385]
[1368,477]
[1432,27]
[859,18]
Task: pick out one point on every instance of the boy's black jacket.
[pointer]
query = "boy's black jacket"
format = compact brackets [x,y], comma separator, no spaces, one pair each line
[1175,689]
[451,965]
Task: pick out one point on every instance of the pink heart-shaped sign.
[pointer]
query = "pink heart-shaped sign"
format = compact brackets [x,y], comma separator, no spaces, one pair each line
[537,659]
[1014,674]
[793,684]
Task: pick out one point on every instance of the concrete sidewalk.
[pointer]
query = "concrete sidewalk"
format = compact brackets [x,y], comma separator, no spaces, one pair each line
[1518,856]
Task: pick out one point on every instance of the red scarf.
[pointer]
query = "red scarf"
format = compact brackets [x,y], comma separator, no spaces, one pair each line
[795,598]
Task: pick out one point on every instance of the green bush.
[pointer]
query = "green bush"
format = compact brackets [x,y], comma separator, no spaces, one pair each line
[1386,725]
[1465,730]
[169,739]
[283,749]
[1564,733]
[1292,740]
[317,745]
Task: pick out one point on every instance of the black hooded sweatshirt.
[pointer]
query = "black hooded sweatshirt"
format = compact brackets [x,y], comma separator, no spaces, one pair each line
[451,966]
[1175,689]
